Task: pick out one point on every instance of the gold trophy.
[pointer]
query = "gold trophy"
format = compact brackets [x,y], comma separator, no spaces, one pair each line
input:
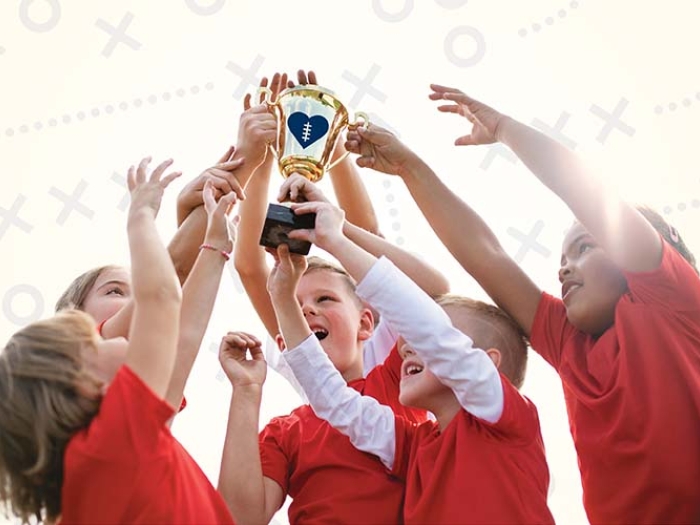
[309,120]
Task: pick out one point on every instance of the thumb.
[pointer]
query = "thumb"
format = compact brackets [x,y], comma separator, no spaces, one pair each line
[374,134]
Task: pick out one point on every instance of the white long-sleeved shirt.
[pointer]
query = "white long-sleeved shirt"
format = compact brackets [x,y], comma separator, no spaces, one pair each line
[447,352]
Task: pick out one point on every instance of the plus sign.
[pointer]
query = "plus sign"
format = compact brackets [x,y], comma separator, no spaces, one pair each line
[71,202]
[529,241]
[119,35]
[119,179]
[612,120]
[248,76]
[556,131]
[364,86]
[10,218]
[497,150]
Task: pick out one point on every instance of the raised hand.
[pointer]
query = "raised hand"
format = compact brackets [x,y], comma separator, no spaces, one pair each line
[328,224]
[379,149]
[233,356]
[147,191]
[221,231]
[485,120]
[221,175]
[297,188]
[258,126]
[285,274]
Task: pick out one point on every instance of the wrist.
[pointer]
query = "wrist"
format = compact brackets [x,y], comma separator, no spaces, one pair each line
[503,125]
[216,248]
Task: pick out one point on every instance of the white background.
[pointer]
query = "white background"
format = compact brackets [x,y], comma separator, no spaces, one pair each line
[77,108]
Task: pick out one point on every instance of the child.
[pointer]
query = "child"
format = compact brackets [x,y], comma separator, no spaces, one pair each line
[299,454]
[482,460]
[352,196]
[625,336]
[83,435]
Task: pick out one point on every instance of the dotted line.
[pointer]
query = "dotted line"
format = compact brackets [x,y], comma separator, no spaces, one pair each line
[682,206]
[393,211]
[107,109]
[537,27]
[673,106]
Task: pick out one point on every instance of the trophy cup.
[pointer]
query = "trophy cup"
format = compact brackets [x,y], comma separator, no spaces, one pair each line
[309,119]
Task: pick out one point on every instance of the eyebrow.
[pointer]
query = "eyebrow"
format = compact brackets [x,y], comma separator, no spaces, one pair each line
[113,281]
[573,243]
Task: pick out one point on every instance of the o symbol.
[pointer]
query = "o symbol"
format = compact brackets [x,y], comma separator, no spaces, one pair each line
[40,27]
[392,17]
[475,35]
[451,4]
[205,10]
[9,298]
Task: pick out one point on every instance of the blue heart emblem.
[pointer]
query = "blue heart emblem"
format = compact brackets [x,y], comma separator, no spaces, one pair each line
[307,130]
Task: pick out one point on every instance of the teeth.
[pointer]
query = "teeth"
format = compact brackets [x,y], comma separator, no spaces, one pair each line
[414,369]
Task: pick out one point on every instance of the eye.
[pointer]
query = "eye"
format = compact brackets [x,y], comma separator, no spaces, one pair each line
[116,291]
[325,298]
[584,247]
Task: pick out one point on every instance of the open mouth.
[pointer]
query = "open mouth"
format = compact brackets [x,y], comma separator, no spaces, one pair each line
[568,288]
[412,369]
[320,333]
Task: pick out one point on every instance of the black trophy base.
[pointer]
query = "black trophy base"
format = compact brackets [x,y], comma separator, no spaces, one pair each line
[280,220]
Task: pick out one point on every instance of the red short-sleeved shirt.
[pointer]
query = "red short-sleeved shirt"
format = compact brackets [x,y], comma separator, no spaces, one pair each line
[329,480]
[633,397]
[126,467]
[475,471]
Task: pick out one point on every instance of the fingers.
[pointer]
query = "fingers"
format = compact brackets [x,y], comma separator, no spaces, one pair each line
[452,108]
[155,176]
[365,162]
[301,77]
[246,102]
[131,178]
[141,170]
[165,182]
[312,78]
[208,196]
[439,91]
[465,140]
[230,165]
[374,134]
[226,203]
[227,156]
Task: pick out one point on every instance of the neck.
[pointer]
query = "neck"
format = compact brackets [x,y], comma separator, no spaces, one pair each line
[445,409]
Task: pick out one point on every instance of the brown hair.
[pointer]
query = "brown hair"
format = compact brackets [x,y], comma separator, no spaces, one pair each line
[44,400]
[668,232]
[75,294]
[499,331]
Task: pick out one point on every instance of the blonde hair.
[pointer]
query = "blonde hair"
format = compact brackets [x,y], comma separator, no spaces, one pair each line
[316,264]
[77,291]
[42,405]
[499,331]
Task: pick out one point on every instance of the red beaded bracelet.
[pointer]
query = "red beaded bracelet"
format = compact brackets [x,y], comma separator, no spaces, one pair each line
[226,254]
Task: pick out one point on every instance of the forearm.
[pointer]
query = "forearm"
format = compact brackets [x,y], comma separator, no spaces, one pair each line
[369,425]
[448,353]
[351,193]
[428,278]
[152,272]
[118,325]
[292,324]
[184,246]
[248,255]
[240,477]
[198,298]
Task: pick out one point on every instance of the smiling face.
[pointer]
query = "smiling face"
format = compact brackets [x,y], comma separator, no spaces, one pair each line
[337,318]
[109,294]
[591,283]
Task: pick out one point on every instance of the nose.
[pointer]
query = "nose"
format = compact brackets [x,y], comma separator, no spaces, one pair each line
[406,351]
[564,272]
[308,309]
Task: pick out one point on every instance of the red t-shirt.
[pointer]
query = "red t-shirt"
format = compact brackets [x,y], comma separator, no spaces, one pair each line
[633,397]
[475,471]
[329,480]
[126,467]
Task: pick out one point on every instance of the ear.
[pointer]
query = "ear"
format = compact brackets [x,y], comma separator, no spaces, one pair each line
[495,355]
[366,328]
[280,342]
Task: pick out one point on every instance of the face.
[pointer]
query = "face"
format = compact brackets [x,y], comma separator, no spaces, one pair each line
[109,294]
[337,319]
[591,283]
[106,358]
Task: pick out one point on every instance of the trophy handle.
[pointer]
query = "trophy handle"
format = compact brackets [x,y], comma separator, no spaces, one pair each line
[264,95]
[364,122]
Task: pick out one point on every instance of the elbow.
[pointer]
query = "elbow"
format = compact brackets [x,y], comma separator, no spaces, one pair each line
[165,294]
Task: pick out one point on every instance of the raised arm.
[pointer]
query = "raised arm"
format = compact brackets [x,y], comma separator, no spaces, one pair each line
[200,289]
[473,243]
[251,497]
[623,233]
[156,290]
[447,352]
[298,189]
